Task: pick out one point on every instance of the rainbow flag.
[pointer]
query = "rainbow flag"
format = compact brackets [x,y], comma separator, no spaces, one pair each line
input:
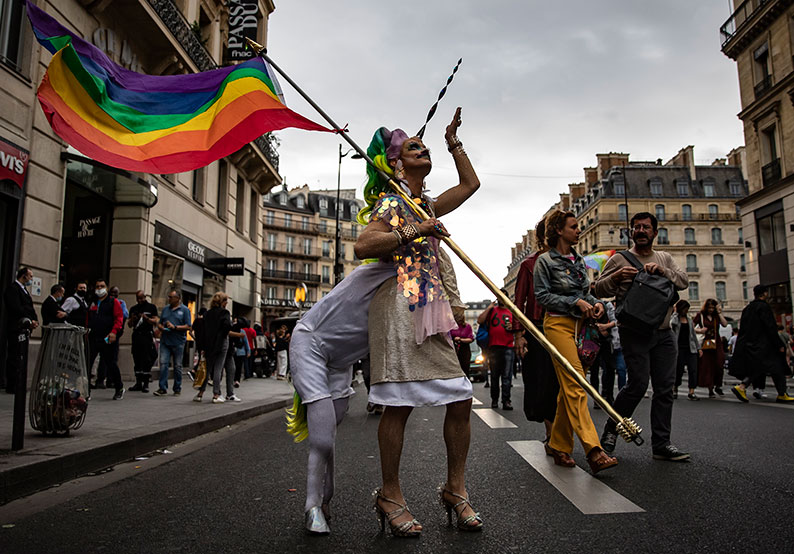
[154,124]
[597,260]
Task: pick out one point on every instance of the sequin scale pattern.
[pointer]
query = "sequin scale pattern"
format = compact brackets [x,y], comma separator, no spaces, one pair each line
[418,277]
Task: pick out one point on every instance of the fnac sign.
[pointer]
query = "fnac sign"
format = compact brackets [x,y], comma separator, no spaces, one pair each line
[13,162]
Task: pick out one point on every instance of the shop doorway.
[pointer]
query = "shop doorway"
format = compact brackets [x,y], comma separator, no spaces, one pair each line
[87,231]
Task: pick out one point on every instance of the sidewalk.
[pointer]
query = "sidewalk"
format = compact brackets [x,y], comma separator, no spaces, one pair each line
[115,431]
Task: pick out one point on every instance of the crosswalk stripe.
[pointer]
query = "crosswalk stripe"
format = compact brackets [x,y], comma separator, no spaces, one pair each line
[493,419]
[587,493]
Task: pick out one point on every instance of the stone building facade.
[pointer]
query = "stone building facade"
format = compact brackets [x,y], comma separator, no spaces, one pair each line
[696,208]
[759,36]
[299,245]
[71,219]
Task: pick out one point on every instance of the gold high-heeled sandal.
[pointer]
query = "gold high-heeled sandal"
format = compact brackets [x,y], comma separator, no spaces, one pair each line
[404,529]
[468,523]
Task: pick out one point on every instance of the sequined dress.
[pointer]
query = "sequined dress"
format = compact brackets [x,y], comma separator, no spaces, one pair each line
[413,362]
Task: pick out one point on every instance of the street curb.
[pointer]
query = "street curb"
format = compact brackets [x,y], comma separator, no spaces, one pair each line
[30,478]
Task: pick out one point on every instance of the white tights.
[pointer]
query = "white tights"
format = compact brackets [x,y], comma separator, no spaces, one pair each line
[322,417]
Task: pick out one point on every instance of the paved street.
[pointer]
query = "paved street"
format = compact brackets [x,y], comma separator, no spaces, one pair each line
[231,491]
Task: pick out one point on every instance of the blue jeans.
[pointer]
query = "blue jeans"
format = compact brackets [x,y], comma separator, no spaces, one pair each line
[168,353]
[620,367]
[501,369]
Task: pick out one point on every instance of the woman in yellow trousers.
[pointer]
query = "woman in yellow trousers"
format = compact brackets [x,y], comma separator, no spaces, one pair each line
[563,289]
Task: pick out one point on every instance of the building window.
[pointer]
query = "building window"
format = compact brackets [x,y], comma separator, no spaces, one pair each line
[716,236]
[288,221]
[763,77]
[742,266]
[714,211]
[354,230]
[327,248]
[659,209]
[623,238]
[13,29]
[694,291]
[282,198]
[744,290]
[682,186]
[222,201]
[304,223]
[620,186]
[253,227]
[735,187]
[323,205]
[741,235]
[240,211]
[271,293]
[689,236]
[719,289]
[270,217]
[663,238]
[198,185]
[271,241]
[719,262]
[290,267]
[656,186]
[686,212]
[353,210]
[691,263]
[622,212]
[341,250]
[300,201]
[289,293]
[771,233]
[307,246]
[307,270]
[326,274]
[290,245]
[708,188]
[272,265]
[323,226]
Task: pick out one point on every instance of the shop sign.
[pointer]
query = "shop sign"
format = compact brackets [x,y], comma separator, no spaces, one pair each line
[227,266]
[13,162]
[243,22]
[174,241]
[87,226]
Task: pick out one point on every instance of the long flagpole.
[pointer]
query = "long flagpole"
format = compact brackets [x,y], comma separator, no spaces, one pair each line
[626,427]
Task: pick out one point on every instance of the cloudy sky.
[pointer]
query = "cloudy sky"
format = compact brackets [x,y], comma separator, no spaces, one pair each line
[544,86]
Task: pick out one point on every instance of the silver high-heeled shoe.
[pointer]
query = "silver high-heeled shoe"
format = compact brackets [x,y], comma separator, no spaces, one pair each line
[315,522]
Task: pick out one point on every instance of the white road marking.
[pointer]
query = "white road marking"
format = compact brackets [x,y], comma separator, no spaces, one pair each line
[584,491]
[494,420]
[475,402]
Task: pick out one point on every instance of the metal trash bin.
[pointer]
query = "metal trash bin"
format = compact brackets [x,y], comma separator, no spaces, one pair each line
[59,388]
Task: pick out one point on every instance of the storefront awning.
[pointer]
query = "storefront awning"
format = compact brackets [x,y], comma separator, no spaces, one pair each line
[123,188]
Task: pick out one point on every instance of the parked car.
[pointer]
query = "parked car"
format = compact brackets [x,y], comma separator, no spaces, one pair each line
[477,370]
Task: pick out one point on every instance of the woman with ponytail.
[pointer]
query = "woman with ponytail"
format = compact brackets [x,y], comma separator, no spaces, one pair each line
[413,362]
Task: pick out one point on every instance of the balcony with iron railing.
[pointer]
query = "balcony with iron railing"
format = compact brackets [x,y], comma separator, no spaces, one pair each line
[298,276]
[284,223]
[296,250]
[770,173]
[742,15]
[607,217]
[692,269]
[762,86]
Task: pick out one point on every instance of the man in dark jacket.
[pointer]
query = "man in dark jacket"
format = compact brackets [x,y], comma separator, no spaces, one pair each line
[51,311]
[143,318]
[758,350]
[105,320]
[17,305]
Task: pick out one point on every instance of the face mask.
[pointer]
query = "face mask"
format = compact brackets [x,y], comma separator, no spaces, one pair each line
[28,282]
[101,292]
[80,293]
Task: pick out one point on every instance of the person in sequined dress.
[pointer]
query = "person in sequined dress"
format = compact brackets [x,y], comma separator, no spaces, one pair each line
[413,361]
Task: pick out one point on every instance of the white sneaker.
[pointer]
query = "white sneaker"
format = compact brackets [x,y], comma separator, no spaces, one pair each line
[234,398]
[197,398]
[218,400]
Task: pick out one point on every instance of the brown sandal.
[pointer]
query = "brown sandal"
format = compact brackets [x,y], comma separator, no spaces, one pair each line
[562,458]
[600,460]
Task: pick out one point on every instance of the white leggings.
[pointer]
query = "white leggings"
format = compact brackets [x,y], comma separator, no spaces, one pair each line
[281,363]
[322,417]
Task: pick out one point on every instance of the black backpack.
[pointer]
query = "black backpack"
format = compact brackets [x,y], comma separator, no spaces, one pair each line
[647,301]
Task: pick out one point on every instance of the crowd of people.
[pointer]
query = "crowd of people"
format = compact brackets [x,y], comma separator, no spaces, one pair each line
[588,324]
[221,342]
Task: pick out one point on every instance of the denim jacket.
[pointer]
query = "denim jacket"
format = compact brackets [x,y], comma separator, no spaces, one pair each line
[675,325]
[559,283]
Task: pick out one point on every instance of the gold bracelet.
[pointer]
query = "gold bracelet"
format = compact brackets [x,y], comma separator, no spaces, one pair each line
[458,150]
[456,143]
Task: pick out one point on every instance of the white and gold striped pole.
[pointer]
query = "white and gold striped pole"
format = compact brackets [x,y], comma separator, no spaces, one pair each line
[626,427]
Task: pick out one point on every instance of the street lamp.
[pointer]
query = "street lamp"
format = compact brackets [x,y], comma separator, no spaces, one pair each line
[337,242]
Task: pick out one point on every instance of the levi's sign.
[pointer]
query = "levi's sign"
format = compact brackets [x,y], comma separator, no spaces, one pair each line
[13,162]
